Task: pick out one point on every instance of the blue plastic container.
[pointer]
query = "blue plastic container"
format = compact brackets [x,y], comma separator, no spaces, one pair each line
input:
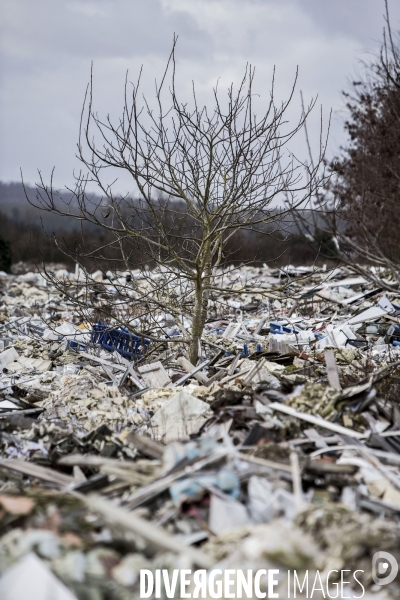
[120,340]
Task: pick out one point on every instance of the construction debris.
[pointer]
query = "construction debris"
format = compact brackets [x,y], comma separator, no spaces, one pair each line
[279,450]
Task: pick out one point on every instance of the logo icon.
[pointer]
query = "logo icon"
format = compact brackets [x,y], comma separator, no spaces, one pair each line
[384,568]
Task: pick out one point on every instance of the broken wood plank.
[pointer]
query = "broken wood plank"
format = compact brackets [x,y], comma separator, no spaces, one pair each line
[234,364]
[154,375]
[260,326]
[119,366]
[219,375]
[240,374]
[18,411]
[103,361]
[158,486]
[332,370]
[154,535]
[125,366]
[253,372]
[315,420]
[232,330]
[37,471]
[296,479]
[146,445]
[188,367]
[188,375]
[264,462]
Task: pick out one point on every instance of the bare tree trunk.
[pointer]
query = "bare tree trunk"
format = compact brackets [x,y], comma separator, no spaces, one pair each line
[197,324]
[202,293]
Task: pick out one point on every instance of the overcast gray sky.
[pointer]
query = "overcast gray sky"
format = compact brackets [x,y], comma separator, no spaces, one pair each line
[47,47]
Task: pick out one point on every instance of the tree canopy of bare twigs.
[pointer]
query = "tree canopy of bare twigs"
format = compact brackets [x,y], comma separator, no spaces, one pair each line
[201,175]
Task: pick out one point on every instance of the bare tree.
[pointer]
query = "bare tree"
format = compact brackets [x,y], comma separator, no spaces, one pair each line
[201,173]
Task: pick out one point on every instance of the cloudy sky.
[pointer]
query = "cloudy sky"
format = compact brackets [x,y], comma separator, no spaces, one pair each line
[47,47]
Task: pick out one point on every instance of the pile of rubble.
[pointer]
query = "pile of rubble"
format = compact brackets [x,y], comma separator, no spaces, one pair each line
[279,450]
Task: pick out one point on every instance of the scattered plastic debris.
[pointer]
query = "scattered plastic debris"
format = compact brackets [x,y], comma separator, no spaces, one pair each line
[279,449]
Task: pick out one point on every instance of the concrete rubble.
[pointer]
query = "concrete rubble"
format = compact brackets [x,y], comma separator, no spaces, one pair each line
[279,450]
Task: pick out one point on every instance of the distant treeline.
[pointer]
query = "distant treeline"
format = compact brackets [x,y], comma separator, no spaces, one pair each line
[28,235]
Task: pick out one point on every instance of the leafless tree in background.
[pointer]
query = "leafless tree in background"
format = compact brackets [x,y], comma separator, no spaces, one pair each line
[202,173]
